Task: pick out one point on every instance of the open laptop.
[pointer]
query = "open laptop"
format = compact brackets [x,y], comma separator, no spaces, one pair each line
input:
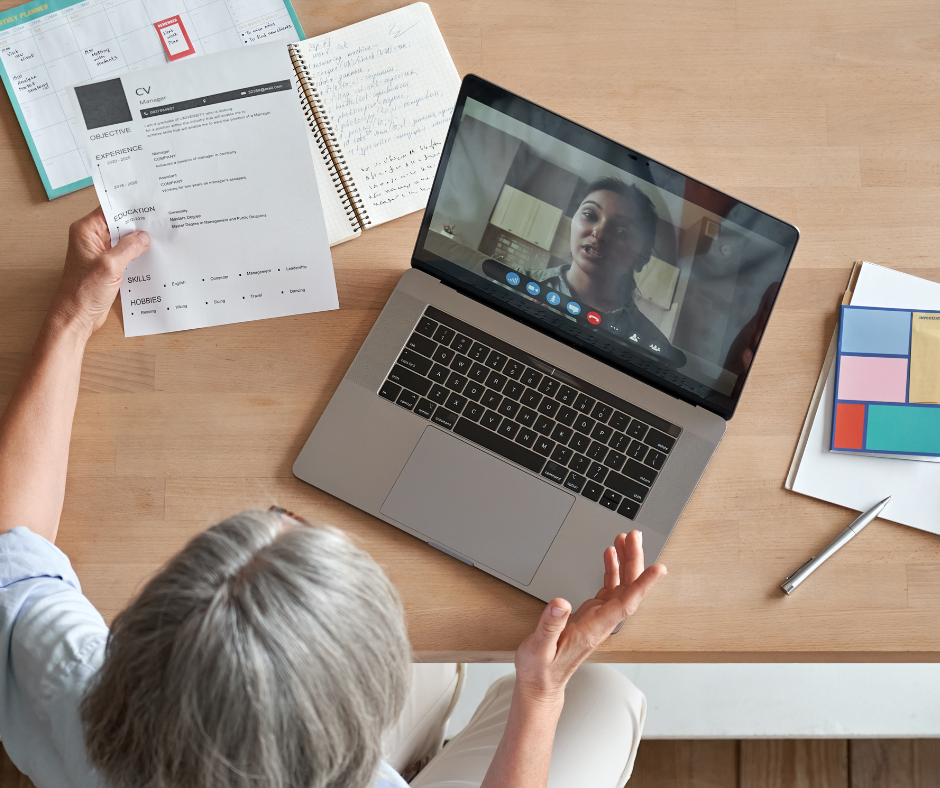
[560,362]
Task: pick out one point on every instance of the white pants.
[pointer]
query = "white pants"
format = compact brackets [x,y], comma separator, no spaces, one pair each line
[595,743]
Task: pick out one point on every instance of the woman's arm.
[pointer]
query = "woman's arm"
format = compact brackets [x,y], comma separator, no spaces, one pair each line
[36,427]
[549,656]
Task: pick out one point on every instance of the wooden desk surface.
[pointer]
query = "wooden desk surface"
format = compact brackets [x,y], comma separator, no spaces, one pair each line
[824,112]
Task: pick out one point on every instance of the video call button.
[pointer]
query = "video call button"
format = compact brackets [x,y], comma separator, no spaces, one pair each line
[573,307]
[593,318]
[513,278]
[533,288]
[553,298]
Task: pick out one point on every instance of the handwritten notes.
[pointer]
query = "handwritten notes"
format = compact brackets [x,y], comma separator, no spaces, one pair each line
[389,87]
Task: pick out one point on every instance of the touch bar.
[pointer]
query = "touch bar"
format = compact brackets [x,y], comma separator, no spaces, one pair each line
[217,98]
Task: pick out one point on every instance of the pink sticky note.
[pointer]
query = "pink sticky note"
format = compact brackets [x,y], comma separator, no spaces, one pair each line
[873,379]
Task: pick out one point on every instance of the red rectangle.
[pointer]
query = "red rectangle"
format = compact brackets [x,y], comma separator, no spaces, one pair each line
[849,432]
[174,38]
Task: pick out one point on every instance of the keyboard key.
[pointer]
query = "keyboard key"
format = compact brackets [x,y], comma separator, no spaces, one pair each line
[456,382]
[554,472]
[491,399]
[660,441]
[620,421]
[421,345]
[549,406]
[655,459]
[407,399]
[455,403]
[508,408]
[478,373]
[601,411]
[640,472]
[531,378]
[561,433]
[410,380]
[543,425]
[611,500]
[620,442]
[478,352]
[439,374]
[566,395]
[415,361]
[461,364]
[615,460]
[508,428]
[579,463]
[474,391]
[548,386]
[584,424]
[583,403]
[499,445]
[444,355]
[526,437]
[602,433]
[628,508]
[491,420]
[562,455]
[637,429]
[592,491]
[575,481]
[445,418]
[527,417]
[495,360]
[389,391]
[544,445]
[461,343]
[514,390]
[566,415]
[596,472]
[597,451]
[496,381]
[438,395]
[637,450]
[473,411]
[580,442]
[444,335]
[514,369]
[531,398]
[627,487]
[424,408]
[426,326]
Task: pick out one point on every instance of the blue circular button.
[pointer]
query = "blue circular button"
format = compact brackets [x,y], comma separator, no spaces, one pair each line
[574,308]
[533,288]
[513,278]
[553,298]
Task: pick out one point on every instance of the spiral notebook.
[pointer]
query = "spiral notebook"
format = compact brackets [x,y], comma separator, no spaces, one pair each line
[377,97]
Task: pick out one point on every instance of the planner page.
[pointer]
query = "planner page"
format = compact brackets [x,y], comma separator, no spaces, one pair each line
[47,47]
[389,86]
[211,157]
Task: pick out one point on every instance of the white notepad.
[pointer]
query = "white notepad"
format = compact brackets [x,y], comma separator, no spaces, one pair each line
[378,97]
[859,482]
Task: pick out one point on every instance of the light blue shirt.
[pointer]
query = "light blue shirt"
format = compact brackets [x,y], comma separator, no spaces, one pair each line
[52,643]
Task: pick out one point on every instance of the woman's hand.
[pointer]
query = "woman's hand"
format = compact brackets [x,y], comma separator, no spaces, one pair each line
[549,656]
[93,271]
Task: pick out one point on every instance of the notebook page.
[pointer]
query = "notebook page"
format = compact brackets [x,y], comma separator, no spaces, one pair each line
[389,86]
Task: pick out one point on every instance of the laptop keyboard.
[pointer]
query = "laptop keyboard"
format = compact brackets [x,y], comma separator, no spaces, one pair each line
[530,413]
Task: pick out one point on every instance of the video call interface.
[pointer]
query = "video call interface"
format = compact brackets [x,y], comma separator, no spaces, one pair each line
[680,286]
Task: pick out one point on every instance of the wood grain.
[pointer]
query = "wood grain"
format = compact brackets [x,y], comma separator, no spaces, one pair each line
[791,763]
[686,764]
[824,112]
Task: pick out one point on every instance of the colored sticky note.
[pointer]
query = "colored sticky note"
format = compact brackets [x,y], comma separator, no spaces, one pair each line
[873,378]
[903,429]
[875,331]
[849,427]
[925,357]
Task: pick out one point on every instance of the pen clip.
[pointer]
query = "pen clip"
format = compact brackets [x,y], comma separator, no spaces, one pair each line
[799,569]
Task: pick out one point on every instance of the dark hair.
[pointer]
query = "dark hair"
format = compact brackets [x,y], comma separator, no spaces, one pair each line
[647,217]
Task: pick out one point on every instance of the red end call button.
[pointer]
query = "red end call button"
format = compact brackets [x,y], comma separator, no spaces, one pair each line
[593,318]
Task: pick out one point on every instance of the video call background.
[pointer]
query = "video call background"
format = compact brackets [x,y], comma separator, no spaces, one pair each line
[706,278]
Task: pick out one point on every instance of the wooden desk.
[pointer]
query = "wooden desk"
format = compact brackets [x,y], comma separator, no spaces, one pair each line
[824,113]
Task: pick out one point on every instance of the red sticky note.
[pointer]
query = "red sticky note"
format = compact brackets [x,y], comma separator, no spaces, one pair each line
[850,426]
[174,37]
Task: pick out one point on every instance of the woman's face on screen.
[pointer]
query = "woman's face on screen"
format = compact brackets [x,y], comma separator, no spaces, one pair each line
[606,239]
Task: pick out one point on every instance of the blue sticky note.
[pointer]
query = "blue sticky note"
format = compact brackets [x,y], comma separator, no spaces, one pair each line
[877,331]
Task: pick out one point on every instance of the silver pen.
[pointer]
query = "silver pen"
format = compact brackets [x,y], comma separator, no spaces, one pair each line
[844,538]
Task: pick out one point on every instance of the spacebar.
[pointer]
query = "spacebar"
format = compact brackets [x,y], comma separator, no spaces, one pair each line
[498,444]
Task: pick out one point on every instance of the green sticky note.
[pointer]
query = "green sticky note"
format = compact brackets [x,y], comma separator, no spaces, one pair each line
[904,429]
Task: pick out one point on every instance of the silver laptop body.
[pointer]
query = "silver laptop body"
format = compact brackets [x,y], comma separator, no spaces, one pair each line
[454,422]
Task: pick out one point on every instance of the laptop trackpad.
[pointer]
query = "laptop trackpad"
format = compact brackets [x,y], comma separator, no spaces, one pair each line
[477,504]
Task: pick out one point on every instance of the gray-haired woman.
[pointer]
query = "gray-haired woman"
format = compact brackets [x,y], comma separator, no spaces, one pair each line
[268,653]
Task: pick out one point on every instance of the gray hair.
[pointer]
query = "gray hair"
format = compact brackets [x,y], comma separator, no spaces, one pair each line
[266,654]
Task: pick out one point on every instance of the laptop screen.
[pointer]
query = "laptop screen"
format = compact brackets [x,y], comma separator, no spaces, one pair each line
[629,260]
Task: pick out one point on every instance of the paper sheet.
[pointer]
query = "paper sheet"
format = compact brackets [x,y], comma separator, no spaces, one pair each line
[213,161]
[859,482]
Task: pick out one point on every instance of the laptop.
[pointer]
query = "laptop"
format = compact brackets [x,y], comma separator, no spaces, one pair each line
[561,360]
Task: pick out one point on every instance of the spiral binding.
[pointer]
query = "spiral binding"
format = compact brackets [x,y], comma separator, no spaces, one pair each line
[319,122]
